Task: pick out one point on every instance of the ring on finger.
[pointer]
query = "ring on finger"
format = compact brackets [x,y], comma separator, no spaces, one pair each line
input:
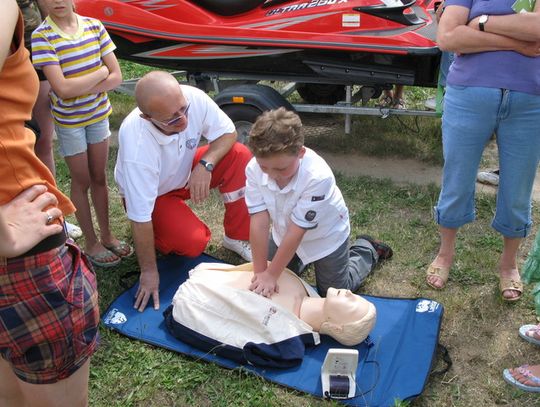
[49,219]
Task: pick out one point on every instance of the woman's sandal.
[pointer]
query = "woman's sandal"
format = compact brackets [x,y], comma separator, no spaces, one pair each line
[440,272]
[121,249]
[506,284]
[531,333]
[523,371]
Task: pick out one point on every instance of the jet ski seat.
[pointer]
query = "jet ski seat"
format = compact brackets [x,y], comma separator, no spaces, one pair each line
[228,7]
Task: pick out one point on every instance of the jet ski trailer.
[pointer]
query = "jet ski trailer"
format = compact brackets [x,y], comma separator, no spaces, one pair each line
[336,53]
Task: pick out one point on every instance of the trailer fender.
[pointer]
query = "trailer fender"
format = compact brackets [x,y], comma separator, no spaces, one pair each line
[244,103]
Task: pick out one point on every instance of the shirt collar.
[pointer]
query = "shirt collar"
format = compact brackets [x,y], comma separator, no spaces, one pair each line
[273,186]
[161,138]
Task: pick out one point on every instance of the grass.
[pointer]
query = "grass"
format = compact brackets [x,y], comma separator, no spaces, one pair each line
[479,329]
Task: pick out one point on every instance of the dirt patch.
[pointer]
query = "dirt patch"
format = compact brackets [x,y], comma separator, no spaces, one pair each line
[404,171]
[400,171]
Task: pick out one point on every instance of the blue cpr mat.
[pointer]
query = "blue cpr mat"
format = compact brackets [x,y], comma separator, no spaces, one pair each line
[394,362]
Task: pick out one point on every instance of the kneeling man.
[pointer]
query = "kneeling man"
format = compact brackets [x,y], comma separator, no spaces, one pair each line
[160,165]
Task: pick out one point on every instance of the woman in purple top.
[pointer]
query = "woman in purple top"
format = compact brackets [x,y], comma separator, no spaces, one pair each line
[493,87]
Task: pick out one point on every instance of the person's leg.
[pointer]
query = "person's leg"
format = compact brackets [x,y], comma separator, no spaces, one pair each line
[80,185]
[176,228]
[511,287]
[97,137]
[387,98]
[10,393]
[72,391]
[230,177]
[346,267]
[443,261]
[42,114]
[73,147]
[398,101]
[518,140]
[49,330]
[469,120]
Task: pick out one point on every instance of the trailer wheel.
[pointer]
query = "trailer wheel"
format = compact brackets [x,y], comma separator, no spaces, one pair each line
[321,93]
[243,117]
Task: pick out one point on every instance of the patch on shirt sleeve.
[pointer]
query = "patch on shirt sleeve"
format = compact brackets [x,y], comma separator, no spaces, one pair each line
[317,198]
[310,215]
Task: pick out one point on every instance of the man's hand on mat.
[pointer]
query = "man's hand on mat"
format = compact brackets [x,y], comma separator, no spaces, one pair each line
[264,284]
[148,287]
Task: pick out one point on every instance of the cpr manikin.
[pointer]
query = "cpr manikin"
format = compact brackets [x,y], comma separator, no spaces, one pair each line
[215,311]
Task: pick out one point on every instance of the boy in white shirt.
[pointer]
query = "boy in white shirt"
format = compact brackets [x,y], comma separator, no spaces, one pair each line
[294,189]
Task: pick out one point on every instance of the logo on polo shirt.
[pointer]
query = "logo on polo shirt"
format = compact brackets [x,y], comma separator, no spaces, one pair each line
[310,215]
[191,143]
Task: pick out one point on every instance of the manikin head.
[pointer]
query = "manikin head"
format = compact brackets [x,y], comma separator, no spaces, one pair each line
[347,317]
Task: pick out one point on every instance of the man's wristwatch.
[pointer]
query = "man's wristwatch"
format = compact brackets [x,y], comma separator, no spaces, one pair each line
[209,166]
[482,21]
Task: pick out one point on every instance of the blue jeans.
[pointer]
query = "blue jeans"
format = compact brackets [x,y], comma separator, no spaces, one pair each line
[75,140]
[471,116]
[446,60]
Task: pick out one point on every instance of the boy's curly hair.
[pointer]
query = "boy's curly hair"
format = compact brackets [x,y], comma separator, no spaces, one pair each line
[276,131]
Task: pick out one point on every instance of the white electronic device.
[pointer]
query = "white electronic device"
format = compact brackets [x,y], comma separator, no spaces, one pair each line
[338,373]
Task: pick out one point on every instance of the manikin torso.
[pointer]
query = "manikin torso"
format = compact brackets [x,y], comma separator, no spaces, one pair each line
[340,306]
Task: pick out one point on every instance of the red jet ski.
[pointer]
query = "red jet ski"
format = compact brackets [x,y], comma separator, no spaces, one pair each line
[339,42]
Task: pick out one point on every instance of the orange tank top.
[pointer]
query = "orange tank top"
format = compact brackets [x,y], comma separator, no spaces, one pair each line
[20,168]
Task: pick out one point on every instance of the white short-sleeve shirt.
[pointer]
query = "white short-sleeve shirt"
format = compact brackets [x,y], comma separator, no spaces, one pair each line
[151,163]
[311,200]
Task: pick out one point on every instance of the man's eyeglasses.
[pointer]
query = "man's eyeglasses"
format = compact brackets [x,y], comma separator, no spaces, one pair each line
[173,121]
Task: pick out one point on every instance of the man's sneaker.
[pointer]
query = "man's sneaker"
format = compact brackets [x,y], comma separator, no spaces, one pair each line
[240,247]
[383,250]
[73,231]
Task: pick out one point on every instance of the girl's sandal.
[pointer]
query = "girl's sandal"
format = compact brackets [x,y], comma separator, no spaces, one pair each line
[507,284]
[440,272]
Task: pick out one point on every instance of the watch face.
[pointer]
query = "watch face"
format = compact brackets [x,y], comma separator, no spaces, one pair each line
[209,166]
[483,19]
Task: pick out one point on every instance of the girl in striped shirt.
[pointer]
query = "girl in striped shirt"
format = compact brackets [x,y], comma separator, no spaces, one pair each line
[76,55]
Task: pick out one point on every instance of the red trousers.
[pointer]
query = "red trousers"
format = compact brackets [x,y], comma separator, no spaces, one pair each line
[178,230]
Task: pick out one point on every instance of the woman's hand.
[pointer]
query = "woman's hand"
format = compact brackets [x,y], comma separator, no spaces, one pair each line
[24,222]
[529,49]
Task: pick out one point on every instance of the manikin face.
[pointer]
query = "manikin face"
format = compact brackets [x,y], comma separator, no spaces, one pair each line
[281,167]
[343,307]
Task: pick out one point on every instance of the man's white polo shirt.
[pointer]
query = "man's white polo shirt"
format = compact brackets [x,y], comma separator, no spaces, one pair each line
[311,200]
[150,163]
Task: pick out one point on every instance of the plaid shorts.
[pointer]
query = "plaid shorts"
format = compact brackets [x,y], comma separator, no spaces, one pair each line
[49,314]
